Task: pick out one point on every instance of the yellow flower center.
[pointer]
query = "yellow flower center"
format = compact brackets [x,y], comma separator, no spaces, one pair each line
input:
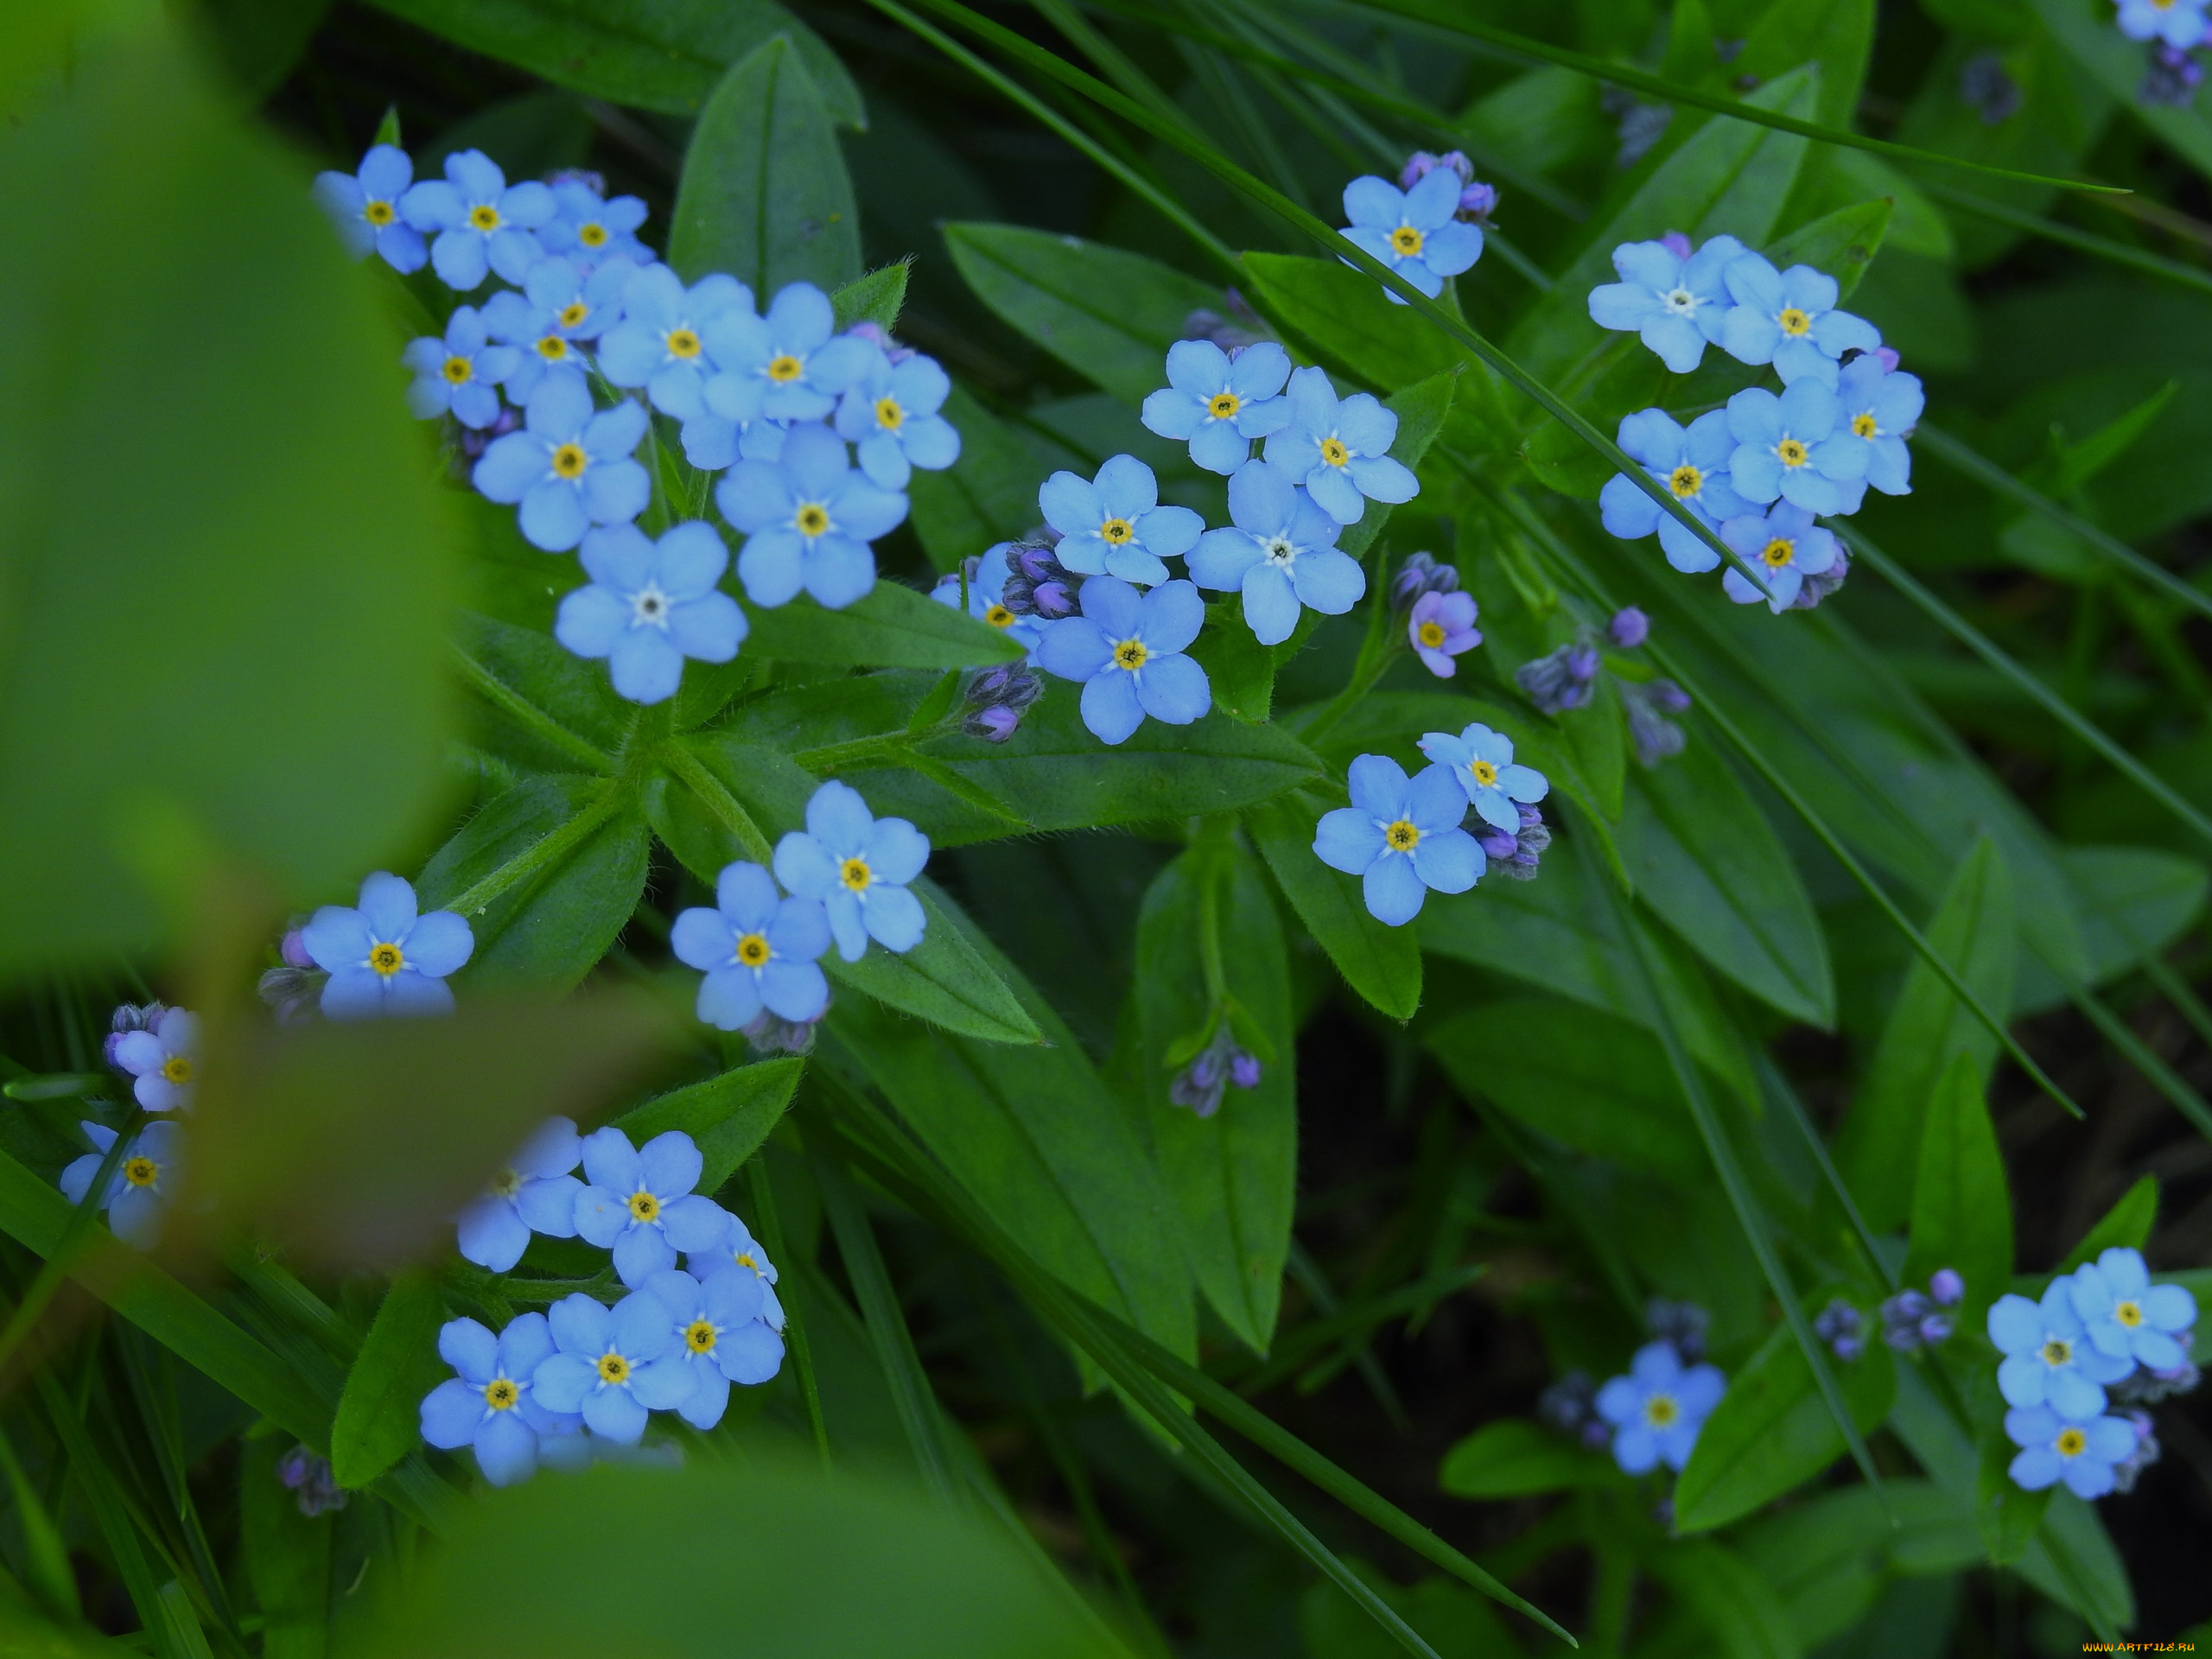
[1776,553]
[552,348]
[1431,634]
[458,370]
[1863,426]
[573,313]
[888,415]
[141,1171]
[999,617]
[507,1184]
[501,1394]
[1117,530]
[752,949]
[1333,452]
[855,874]
[681,342]
[483,218]
[2128,1313]
[744,1259]
[1485,773]
[1794,322]
[387,959]
[813,519]
[699,1337]
[785,368]
[1223,406]
[378,213]
[1685,481]
[2072,1443]
[593,235]
[2058,1352]
[1402,835]
[178,1068]
[613,1368]
[1791,451]
[1130,654]
[1405,241]
[1659,1410]
[569,460]
[644,1206]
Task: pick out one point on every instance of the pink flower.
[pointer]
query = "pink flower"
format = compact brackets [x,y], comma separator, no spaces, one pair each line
[1441,627]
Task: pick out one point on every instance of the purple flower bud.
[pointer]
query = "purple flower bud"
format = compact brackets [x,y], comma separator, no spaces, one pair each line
[1936,1328]
[1421,573]
[1628,628]
[1988,90]
[1055,600]
[310,1477]
[294,993]
[132,1016]
[1244,1069]
[1668,696]
[108,1048]
[595,182]
[1241,328]
[293,949]
[1496,844]
[1676,244]
[1818,588]
[1552,682]
[2171,77]
[1653,735]
[1847,1348]
[1837,1318]
[1887,356]
[1683,1325]
[771,1034]
[1946,1288]
[1420,164]
[1583,663]
[1905,1339]
[1477,202]
[994,725]
[1570,1403]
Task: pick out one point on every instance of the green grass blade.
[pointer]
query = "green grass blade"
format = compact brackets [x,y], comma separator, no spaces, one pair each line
[1315,1283]
[1779,1088]
[770,1225]
[2139,1054]
[110,1514]
[2101,247]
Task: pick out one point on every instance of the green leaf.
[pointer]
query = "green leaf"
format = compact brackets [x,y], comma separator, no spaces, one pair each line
[1773,1431]
[1346,314]
[1240,671]
[1106,314]
[1740,1614]
[1842,244]
[1704,857]
[892,627]
[989,494]
[1962,1212]
[764,196]
[1836,35]
[378,1420]
[286,1556]
[1594,1082]
[948,979]
[729,1115]
[263,605]
[877,297]
[1233,1175]
[2010,1518]
[557,712]
[1382,963]
[1513,1458]
[1877,1150]
[2126,1226]
[665,55]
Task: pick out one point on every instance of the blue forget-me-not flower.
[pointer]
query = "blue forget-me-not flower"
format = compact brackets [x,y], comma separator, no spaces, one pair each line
[1879,407]
[383,957]
[738,1251]
[985,584]
[1281,552]
[489,1404]
[712,444]
[808,518]
[483,223]
[1674,302]
[1127,648]
[558,308]
[1657,1409]
[1416,232]
[857,866]
[640,1202]
[2054,1448]
[1788,318]
[163,1060]
[2126,1314]
[1482,764]
[1692,464]
[144,1180]
[1400,835]
[536,1192]
[890,415]
[650,605]
[366,205]
[661,342]
[569,467]
[719,1338]
[2048,1358]
[1337,447]
[1785,546]
[603,1365]
[1113,524]
[788,365]
[459,373]
[590,229]
[1796,446]
[2178,23]
[757,948]
[1219,404]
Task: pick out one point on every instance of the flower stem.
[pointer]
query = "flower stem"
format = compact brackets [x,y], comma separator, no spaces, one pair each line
[555,844]
[717,799]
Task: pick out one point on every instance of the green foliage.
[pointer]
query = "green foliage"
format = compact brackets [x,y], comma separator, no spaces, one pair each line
[399,1363]
[729,1115]
[1511,1458]
[1961,1214]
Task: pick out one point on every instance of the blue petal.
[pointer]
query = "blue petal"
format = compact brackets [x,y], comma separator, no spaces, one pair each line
[1110,708]
[1348,839]
[1393,890]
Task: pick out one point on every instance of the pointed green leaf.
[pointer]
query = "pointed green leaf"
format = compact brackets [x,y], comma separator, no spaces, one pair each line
[948,979]
[892,627]
[1382,963]
[729,1116]
[379,1418]
[1513,1458]
[1962,1212]
[877,297]
[2126,1226]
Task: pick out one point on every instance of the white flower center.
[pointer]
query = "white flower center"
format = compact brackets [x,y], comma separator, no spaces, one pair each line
[1279,550]
[649,606]
[1680,301]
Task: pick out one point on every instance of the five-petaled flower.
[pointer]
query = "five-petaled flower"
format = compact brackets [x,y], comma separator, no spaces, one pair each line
[382,956]
[1675,303]
[1281,552]
[857,866]
[890,415]
[559,308]
[365,205]
[739,1251]
[985,584]
[757,948]
[1113,524]
[1692,464]
[1788,318]
[2054,1448]
[604,1368]
[567,467]
[1127,648]
[661,342]
[2179,24]
[483,223]
[535,1193]
[2126,1314]
[2048,1358]
[1797,446]
[459,373]
[590,230]
[145,1177]
[1784,546]
[163,1061]
[788,365]
[1400,835]
[719,1338]
[1219,404]
[808,518]
[1440,627]
[1657,1409]
[640,1202]
[1416,232]
[1482,764]
[1337,447]
[650,605]
[489,1404]
[1879,408]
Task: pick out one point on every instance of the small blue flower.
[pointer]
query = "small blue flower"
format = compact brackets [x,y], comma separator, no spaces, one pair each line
[1400,835]
[1785,546]
[2048,1358]
[382,957]
[785,365]
[713,444]
[2126,1314]
[483,223]
[1796,446]
[858,866]
[1126,647]
[2179,24]
[1414,232]
[650,605]
[1220,402]
[739,1251]
[987,598]
[535,1193]
[757,949]
[1482,764]
[558,309]
[890,415]
[1693,464]
[568,469]
[1879,408]
[808,518]
[640,1202]
[163,1059]
[1657,1409]
[1676,304]
[1114,525]
[590,230]
[1788,318]
[366,205]
[2052,1449]
[490,1405]
[458,373]
[661,342]
[143,1182]
[1282,554]
[603,1365]
[718,1337]
[1337,448]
